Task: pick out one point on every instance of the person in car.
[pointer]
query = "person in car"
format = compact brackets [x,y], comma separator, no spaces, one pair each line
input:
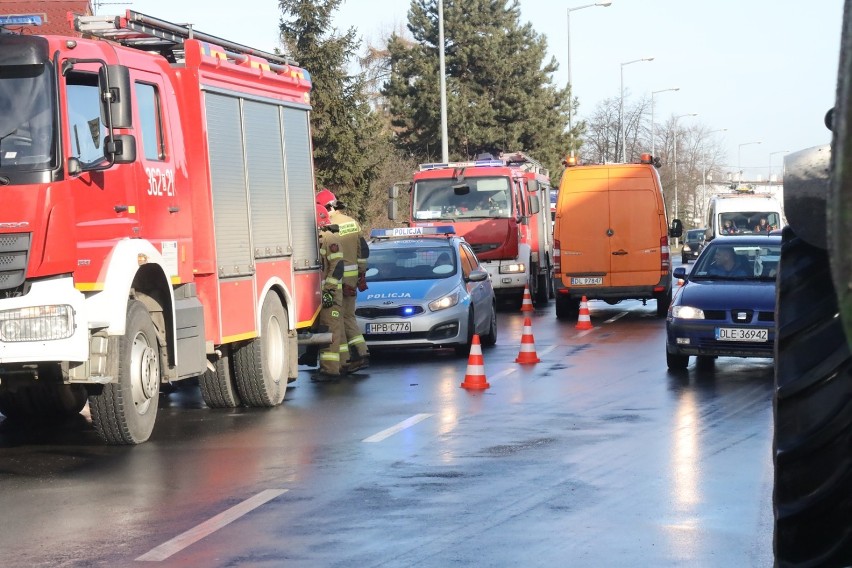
[729,228]
[762,226]
[727,263]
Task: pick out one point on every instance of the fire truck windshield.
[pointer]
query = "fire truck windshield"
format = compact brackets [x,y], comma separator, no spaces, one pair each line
[470,198]
[27,133]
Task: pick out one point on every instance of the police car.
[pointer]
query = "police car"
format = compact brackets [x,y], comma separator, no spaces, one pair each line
[426,288]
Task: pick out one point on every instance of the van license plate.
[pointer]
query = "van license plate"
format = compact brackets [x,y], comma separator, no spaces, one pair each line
[741,334]
[597,281]
[389,327]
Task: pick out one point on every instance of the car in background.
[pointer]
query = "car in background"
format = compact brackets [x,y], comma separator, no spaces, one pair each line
[693,241]
[425,288]
[718,312]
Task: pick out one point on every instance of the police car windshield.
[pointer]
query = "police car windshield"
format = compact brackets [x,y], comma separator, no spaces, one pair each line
[474,197]
[411,263]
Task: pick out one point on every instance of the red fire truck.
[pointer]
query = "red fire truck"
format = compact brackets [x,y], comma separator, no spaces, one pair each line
[501,206]
[157,221]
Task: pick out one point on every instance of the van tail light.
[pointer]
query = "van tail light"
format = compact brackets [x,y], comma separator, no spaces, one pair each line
[665,256]
[557,258]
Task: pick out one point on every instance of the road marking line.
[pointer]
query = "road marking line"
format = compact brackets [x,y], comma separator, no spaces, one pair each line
[616,317]
[397,428]
[547,350]
[209,526]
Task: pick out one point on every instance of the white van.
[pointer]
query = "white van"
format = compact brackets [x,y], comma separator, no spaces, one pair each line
[742,214]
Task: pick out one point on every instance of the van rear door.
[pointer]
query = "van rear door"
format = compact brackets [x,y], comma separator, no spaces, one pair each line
[635,207]
[585,249]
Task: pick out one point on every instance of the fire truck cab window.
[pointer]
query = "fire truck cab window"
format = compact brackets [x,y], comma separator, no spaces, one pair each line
[26,122]
[148,102]
[84,118]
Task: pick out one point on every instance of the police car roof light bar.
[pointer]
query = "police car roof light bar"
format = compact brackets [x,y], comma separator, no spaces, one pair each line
[412,231]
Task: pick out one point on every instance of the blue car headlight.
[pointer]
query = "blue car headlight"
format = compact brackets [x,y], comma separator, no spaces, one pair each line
[687,312]
[445,302]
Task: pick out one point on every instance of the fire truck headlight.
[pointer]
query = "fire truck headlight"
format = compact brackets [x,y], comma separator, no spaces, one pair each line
[445,302]
[37,323]
[515,268]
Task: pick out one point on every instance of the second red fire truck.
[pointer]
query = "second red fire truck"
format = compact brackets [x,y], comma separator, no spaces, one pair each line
[501,206]
[157,221]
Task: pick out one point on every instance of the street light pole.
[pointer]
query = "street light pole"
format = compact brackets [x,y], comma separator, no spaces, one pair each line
[621,108]
[739,158]
[653,131]
[445,153]
[769,177]
[570,84]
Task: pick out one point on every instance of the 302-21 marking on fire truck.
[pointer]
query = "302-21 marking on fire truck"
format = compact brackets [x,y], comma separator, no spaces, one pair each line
[161,183]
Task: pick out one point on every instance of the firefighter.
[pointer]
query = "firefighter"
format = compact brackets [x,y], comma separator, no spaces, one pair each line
[331,357]
[355,254]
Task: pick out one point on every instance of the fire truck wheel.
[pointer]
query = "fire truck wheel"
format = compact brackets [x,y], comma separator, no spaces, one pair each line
[260,366]
[542,290]
[125,411]
[813,414]
[218,388]
[43,402]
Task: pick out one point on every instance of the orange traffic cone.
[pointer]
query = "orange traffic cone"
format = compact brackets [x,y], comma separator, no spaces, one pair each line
[475,376]
[527,354]
[584,322]
[526,304]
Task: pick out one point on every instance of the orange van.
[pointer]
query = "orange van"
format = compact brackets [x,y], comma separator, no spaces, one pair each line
[611,237]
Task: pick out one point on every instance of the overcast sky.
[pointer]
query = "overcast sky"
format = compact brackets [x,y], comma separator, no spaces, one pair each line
[765,70]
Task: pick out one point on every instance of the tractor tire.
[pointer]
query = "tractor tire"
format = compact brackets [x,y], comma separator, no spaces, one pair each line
[813,414]
[260,366]
[125,411]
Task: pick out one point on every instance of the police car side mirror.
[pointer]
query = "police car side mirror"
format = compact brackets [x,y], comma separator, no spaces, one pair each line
[477,275]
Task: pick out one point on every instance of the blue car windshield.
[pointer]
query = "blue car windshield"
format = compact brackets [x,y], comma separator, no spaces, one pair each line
[411,263]
[722,261]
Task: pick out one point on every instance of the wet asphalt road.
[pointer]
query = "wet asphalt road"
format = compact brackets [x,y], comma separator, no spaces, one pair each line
[597,456]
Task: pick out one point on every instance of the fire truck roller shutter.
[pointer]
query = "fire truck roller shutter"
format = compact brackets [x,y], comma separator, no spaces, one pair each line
[228,181]
[300,187]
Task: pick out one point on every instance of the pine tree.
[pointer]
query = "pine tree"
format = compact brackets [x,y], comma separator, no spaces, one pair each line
[344,127]
[500,95]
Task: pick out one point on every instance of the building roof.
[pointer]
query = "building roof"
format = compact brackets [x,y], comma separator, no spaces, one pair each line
[54,14]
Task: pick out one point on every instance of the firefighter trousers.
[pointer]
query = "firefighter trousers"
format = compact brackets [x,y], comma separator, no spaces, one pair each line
[335,355]
[355,342]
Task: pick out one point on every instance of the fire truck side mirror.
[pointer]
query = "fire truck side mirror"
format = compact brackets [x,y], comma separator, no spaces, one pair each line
[114,82]
[120,149]
[533,204]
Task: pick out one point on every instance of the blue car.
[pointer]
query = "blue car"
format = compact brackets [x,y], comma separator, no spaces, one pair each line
[425,288]
[726,304]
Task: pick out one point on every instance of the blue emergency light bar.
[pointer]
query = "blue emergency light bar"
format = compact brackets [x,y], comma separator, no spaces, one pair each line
[491,163]
[20,20]
[412,231]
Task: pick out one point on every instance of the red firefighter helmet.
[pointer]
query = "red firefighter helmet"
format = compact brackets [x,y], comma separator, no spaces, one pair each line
[326,198]
[322,216]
